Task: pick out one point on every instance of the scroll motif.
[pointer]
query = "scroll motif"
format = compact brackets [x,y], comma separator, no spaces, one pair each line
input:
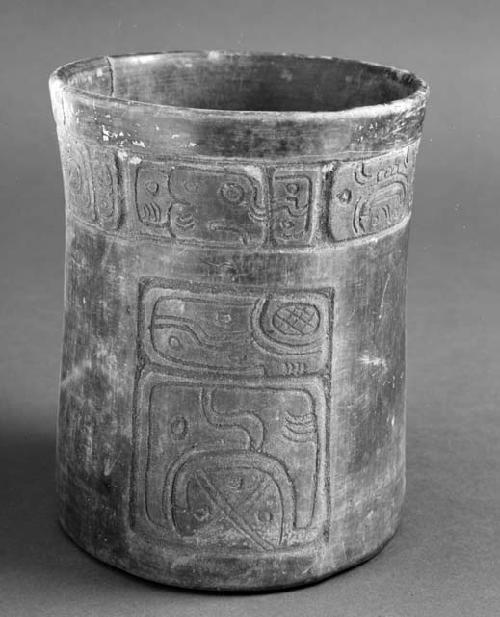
[209,206]
[242,462]
[372,195]
[294,206]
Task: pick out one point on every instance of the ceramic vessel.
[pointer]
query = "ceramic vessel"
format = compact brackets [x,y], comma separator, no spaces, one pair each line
[232,412]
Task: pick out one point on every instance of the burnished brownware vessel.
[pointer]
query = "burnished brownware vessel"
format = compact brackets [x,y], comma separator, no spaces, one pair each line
[232,407]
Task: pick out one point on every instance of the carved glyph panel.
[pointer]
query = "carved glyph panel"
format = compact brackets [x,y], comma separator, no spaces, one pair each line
[250,335]
[201,205]
[105,182]
[233,465]
[230,416]
[91,178]
[77,181]
[370,196]
[237,206]
[88,444]
[295,195]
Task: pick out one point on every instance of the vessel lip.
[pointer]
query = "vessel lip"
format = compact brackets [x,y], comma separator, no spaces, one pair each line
[415,100]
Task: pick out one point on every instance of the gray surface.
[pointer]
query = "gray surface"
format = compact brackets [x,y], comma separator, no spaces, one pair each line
[445,558]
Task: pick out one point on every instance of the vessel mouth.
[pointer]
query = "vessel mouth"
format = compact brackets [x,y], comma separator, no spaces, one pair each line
[243,82]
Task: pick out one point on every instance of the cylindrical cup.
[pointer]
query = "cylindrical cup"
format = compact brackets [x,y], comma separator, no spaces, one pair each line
[232,412]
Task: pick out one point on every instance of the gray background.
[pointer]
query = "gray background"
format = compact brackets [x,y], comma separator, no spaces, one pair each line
[445,558]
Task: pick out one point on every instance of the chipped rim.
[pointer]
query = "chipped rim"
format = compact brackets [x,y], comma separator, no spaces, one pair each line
[246,134]
[61,76]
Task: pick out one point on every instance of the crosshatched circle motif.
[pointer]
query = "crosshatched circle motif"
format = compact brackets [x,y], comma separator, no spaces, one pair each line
[296,319]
